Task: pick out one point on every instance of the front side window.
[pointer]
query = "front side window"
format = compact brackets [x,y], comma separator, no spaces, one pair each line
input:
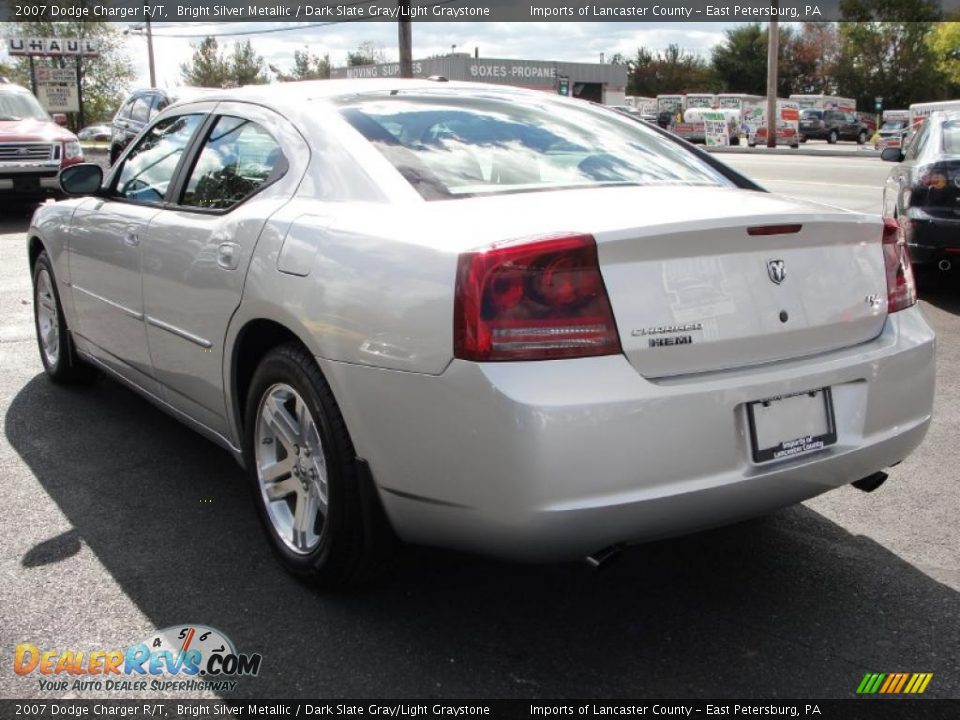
[451,145]
[238,158]
[149,168]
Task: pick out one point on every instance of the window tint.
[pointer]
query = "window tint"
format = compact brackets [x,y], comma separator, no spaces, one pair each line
[125,110]
[149,168]
[141,109]
[238,158]
[449,145]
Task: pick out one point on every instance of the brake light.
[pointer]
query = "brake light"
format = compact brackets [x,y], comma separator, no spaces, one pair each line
[901,289]
[539,299]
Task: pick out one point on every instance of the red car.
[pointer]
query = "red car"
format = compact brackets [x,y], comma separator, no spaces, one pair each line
[33,148]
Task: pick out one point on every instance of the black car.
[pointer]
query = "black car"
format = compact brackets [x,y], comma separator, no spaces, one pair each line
[139,107]
[923,191]
[832,125]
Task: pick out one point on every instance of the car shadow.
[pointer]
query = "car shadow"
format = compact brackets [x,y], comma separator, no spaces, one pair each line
[15,217]
[787,606]
[944,295]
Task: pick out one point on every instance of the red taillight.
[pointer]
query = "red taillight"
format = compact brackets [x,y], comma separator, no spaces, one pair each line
[901,289]
[537,299]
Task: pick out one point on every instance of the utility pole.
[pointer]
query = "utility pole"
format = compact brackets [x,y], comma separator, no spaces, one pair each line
[406,42]
[153,70]
[773,52]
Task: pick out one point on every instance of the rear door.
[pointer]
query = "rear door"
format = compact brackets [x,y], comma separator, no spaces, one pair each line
[195,259]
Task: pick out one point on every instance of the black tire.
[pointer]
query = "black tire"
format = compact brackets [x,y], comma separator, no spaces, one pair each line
[65,366]
[115,151]
[862,138]
[803,138]
[833,137]
[355,540]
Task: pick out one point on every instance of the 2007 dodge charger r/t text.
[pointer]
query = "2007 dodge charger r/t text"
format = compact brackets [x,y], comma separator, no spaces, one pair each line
[481,318]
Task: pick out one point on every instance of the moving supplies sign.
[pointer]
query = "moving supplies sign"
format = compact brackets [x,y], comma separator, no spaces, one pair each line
[57,89]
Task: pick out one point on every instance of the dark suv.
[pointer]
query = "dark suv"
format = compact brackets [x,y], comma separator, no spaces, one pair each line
[139,107]
[832,125]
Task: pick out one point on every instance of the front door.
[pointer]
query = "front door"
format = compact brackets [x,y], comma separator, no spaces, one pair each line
[107,243]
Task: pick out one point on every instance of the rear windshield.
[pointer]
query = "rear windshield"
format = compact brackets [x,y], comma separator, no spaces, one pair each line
[451,145]
[951,137]
[811,114]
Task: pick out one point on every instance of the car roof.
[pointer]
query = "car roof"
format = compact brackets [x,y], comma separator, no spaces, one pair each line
[290,95]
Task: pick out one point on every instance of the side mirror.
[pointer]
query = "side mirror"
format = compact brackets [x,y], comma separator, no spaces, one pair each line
[83,179]
[60,119]
[891,154]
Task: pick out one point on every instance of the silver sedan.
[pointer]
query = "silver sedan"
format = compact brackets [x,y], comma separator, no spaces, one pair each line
[482,318]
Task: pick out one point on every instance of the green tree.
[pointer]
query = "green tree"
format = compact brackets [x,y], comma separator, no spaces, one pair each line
[306,66]
[208,67]
[105,79]
[740,61]
[668,71]
[367,53]
[246,67]
[892,59]
[945,45]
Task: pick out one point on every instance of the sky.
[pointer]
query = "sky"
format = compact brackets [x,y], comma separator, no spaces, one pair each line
[577,42]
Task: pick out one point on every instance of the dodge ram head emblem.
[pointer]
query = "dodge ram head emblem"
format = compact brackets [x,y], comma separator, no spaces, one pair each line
[776,271]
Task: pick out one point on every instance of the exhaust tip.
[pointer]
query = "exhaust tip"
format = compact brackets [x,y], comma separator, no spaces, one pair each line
[944,265]
[870,482]
[602,559]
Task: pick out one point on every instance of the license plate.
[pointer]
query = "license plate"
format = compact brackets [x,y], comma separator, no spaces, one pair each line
[789,425]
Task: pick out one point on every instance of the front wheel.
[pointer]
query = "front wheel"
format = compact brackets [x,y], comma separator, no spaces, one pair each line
[53,337]
[324,524]
[833,137]
[862,138]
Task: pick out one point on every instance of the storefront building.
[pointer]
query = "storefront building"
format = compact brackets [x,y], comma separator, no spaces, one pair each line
[597,82]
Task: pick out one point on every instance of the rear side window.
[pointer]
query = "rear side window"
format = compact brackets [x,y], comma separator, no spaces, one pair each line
[951,137]
[141,109]
[238,158]
[449,145]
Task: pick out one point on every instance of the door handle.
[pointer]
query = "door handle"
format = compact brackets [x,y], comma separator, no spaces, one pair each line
[131,239]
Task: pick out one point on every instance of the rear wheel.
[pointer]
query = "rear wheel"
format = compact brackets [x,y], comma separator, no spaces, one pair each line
[324,523]
[833,137]
[803,138]
[53,337]
[862,138]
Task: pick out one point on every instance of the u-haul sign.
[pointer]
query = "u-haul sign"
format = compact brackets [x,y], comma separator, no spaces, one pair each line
[52,46]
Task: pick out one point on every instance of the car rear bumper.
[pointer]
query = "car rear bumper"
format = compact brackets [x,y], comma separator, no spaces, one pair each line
[555,460]
[932,239]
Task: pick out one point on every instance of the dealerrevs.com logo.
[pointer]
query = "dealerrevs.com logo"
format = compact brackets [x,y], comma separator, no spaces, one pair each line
[177,659]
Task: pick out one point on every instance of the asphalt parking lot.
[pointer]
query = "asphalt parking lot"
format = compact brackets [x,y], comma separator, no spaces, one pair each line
[116,521]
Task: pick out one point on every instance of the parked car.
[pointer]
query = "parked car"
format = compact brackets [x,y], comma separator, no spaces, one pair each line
[138,109]
[33,147]
[481,317]
[95,133]
[832,125]
[923,191]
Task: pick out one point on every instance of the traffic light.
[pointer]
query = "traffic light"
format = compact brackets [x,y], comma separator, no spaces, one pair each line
[563,86]
[878,104]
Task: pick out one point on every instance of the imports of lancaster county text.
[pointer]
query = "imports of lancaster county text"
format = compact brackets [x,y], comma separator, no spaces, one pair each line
[552,12]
